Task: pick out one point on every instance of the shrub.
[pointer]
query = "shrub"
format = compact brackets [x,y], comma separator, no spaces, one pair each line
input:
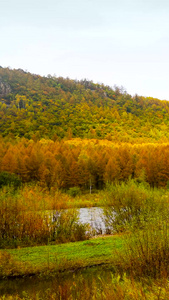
[8,266]
[25,221]
[9,179]
[67,228]
[74,191]
[146,253]
[129,205]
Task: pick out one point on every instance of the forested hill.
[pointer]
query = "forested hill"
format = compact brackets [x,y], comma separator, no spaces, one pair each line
[53,107]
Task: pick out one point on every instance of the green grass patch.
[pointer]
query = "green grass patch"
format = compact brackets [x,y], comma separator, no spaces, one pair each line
[65,256]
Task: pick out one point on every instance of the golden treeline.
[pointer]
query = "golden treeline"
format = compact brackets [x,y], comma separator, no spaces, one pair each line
[84,163]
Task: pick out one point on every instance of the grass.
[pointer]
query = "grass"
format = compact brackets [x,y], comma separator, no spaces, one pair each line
[64,256]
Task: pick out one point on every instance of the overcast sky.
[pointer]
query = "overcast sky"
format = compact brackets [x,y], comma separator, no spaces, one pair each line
[115,42]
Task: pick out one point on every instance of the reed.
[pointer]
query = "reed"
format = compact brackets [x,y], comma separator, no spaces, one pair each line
[131,204]
[26,221]
[97,288]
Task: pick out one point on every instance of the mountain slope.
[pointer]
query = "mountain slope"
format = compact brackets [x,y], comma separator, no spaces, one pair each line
[48,107]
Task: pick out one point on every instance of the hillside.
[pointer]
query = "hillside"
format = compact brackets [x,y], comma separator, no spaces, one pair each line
[38,107]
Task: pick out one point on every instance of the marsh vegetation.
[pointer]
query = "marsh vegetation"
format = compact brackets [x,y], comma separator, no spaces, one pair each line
[133,260]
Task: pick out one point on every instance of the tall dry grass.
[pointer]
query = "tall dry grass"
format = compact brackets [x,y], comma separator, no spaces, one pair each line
[26,218]
[130,204]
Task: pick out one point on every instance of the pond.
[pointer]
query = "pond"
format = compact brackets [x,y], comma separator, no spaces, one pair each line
[81,284]
[94,216]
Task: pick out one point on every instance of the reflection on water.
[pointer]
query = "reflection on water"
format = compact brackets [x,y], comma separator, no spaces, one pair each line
[61,286]
[93,216]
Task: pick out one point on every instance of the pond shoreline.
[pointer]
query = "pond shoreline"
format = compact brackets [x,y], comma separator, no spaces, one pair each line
[51,274]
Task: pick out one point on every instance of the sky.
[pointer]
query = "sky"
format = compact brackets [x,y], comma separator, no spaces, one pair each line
[115,42]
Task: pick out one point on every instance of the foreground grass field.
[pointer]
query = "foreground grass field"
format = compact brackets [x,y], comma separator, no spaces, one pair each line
[94,274]
[41,259]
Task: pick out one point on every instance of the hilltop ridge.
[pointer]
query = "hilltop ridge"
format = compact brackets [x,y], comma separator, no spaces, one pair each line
[33,106]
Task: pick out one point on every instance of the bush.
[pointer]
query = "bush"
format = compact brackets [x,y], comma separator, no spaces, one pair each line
[130,205]
[9,179]
[67,228]
[147,252]
[25,221]
[8,265]
[74,191]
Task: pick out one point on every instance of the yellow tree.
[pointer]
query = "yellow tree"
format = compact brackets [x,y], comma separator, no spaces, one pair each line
[9,161]
[125,163]
[112,170]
